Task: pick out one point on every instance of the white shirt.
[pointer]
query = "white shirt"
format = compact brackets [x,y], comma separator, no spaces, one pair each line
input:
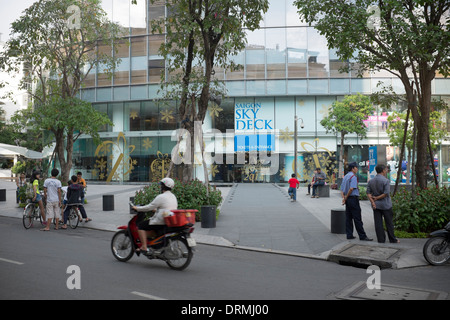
[162,203]
[52,185]
[65,192]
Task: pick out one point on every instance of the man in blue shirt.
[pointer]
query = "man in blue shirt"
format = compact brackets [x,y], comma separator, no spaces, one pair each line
[350,197]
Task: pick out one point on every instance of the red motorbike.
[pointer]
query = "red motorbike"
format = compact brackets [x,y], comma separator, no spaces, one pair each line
[174,244]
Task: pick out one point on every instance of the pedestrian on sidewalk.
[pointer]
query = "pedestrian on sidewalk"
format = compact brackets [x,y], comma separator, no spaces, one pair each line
[312,183]
[379,194]
[318,181]
[350,197]
[21,181]
[293,186]
[52,192]
[82,182]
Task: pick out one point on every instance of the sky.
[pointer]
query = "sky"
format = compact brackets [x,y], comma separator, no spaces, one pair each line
[11,10]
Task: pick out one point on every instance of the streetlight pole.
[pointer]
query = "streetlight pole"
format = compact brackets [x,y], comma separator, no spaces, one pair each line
[295,142]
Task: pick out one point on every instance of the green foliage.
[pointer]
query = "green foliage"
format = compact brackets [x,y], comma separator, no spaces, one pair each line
[406,31]
[19,167]
[347,116]
[396,129]
[427,211]
[407,38]
[408,235]
[363,193]
[190,195]
[60,58]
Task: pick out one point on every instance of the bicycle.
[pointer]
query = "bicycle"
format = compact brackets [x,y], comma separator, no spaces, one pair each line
[74,215]
[32,212]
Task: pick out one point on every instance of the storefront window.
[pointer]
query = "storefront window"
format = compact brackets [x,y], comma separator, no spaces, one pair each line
[103,108]
[150,115]
[358,154]
[225,120]
[132,112]
[168,115]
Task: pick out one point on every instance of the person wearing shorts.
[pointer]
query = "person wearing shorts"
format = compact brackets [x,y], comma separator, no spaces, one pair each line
[52,192]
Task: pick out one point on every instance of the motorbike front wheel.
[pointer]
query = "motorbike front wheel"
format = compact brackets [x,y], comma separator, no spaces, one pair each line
[121,246]
[437,250]
[178,254]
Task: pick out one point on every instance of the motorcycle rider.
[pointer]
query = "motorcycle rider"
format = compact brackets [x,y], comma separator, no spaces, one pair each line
[162,203]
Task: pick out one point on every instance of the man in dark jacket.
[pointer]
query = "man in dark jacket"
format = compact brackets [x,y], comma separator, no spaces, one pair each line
[74,195]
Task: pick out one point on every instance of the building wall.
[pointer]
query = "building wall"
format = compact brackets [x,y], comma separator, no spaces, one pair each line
[288,72]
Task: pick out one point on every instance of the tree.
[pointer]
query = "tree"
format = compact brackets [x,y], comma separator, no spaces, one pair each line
[202,35]
[396,131]
[408,38]
[345,117]
[58,40]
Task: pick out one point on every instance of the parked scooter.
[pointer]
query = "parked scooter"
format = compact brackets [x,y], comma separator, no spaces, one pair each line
[437,249]
[174,245]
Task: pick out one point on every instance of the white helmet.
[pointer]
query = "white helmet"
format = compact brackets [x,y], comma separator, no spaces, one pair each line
[169,183]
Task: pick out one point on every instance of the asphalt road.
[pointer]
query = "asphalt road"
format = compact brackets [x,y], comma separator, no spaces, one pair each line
[37,265]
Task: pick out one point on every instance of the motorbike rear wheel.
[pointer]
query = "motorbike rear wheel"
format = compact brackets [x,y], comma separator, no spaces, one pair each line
[437,250]
[121,246]
[178,254]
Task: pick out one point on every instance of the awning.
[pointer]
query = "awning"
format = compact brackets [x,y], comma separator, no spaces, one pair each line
[10,150]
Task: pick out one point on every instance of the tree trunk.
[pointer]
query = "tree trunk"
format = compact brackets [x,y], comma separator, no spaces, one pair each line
[341,156]
[59,137]
[422,134]
[402,152]
[433,167]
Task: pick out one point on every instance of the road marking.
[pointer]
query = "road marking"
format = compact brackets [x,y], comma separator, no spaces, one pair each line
[148,296]
[11,261]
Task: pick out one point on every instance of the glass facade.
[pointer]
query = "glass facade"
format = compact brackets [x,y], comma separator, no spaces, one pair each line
[288,71]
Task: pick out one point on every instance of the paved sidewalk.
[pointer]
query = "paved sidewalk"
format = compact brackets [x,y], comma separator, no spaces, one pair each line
[259,217]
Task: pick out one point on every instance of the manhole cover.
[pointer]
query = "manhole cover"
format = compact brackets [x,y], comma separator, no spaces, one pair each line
[360,291]
[365,255]
[382,253]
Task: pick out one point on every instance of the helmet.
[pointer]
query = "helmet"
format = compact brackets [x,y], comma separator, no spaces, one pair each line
[169,183]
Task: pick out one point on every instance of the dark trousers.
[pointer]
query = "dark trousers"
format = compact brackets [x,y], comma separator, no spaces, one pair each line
[67,210]
[387,215]
[316,184]
[353,215]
